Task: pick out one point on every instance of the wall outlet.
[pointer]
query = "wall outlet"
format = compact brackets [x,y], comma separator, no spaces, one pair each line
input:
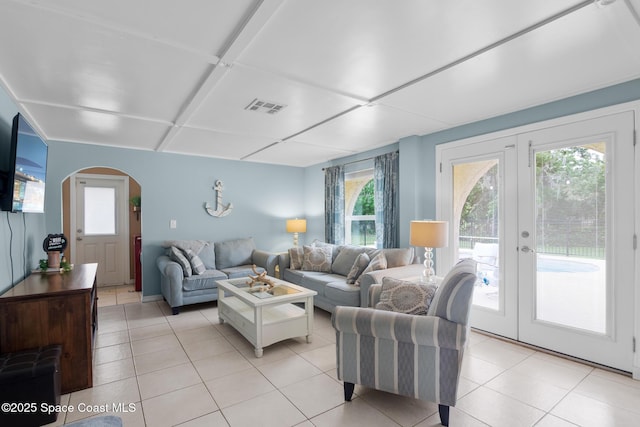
[173,223]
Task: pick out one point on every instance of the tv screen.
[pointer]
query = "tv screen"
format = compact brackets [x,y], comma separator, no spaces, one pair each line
[27,169]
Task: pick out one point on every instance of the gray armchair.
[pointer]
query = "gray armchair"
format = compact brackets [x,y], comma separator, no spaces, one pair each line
[410,355]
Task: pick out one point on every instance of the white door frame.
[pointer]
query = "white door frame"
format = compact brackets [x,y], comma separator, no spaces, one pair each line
[612,347]
[504,320]
[633,106]
[123,214]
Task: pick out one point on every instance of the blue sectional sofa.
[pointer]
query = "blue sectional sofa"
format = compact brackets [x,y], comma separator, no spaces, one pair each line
[190,269]
[341,275]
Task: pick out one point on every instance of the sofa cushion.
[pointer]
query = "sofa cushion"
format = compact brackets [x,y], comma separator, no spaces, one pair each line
[208,256]
[206,280]
[197,265]
[176,255]
[405,297]
[361,262]
[318,281]
[378,262]
[293,276]
[342,293]
[345,259]
[195,245]
[234,252]
[241,271]
[317,258]
[335,249]
[296,256]
[398,257]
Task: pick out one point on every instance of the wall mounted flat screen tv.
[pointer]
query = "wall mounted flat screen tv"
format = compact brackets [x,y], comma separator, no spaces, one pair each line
[25,180]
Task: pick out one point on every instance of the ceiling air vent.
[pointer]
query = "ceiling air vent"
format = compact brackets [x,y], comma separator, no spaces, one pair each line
[267,107]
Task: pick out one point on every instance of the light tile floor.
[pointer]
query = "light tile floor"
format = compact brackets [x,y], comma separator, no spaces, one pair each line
[189,370]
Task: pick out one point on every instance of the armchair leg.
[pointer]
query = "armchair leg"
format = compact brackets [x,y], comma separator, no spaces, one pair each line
[175,310]
[348,391]
[444,414]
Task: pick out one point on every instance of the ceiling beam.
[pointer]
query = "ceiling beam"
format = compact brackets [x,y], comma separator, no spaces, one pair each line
[246,31]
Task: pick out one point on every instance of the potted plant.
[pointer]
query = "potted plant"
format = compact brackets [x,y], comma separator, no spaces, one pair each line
[136,202]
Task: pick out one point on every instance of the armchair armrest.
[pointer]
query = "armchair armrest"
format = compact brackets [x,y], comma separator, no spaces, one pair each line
[266,260]
[430,331]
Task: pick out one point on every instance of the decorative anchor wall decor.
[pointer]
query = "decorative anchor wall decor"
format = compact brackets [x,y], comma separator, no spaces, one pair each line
[221,209]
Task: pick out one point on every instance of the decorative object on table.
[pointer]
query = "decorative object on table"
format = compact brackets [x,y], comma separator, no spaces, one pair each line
[53,245]
[296,226]
[136,203]
[429,235]
[260,278]
[221,209]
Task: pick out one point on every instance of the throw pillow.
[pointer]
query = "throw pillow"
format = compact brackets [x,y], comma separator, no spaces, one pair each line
[378,262]
[361,262]
[317,258]
[405,297]
[176,255]
[296,256]
[197,266]
[345,258]
[398,257]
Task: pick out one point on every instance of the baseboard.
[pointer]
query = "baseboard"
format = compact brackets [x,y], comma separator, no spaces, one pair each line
[151,298]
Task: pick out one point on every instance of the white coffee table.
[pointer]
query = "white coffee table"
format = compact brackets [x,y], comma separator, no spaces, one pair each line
[266,317]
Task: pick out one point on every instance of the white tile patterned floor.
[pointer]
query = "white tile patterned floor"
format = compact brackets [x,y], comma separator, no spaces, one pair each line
[189,370]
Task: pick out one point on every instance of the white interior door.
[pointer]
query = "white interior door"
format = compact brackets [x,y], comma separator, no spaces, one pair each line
[549,216]
[99,226]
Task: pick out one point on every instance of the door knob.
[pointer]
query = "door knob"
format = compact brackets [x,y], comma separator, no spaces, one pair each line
[526,249]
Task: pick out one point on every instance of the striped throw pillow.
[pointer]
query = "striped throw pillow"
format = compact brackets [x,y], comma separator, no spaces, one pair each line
[196,263]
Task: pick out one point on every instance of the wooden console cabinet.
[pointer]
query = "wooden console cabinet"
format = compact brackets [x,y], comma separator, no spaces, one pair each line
[54,308]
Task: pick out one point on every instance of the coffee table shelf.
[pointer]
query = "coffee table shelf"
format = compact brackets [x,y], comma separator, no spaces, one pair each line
[266,319]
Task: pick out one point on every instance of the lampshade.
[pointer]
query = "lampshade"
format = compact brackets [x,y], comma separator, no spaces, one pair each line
[429,234]
[296,225]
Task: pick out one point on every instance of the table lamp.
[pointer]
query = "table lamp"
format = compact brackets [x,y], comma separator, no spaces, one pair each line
[296,226]
[429,235]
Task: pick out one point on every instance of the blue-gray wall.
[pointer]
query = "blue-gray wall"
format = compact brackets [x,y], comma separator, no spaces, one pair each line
[21,235]
[176,187]
[417,153]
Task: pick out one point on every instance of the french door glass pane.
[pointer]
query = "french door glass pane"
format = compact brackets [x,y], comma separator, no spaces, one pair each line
[477,209]
[99,211]
[571,286]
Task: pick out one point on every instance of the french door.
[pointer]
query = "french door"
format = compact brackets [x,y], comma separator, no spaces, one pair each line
[549,217]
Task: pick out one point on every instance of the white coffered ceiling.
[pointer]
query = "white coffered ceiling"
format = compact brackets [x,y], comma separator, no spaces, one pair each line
[353,75]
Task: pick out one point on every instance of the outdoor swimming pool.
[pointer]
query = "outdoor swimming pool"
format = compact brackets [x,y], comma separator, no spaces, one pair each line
[554,265]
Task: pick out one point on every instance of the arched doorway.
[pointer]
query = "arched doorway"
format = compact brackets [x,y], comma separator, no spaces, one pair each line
[132,217]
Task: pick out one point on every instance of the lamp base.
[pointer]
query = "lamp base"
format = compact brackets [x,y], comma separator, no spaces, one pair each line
[428,274]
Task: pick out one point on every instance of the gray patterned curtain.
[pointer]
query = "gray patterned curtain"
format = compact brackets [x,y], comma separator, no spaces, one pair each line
[386,190]
[334,205]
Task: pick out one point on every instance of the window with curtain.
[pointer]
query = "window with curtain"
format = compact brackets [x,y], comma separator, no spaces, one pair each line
[361,208]
[386,197]
[360,215]
[334,204]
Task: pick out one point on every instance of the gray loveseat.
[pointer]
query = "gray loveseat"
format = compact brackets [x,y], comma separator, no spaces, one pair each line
[190,269]
[330,269]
